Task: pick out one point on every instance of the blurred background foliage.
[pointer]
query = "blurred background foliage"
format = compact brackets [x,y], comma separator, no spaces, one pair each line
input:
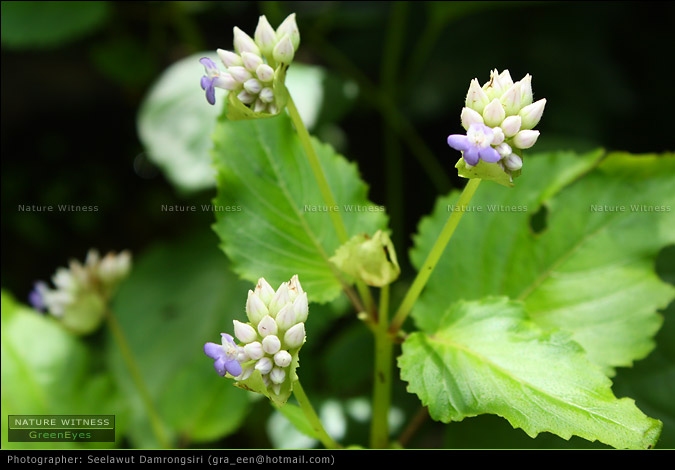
[75,76]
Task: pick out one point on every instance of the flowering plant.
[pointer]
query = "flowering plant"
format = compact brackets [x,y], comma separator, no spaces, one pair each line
[302,312]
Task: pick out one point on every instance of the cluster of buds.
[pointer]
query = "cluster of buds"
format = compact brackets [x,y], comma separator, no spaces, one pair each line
[499,118]
[255,72]
[369,259]
[267,357]
[82,292]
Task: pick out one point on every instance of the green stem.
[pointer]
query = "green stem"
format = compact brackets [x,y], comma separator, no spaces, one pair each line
[136,376]
[379,431]
[433,257]
[313,418]
[326,192]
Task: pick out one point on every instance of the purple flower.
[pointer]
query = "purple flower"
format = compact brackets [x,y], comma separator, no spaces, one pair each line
[225,355]
[211,79]
[475,144]
[36,297]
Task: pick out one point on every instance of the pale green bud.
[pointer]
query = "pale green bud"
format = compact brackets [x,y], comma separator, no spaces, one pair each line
[229,58]
[373,260]
[271,344]
[254,350]
[277,376]
[476,98]
[289,27]
[525,139]
[264,365]
[469,116]
[531,114]
[498,84]
[511,125]
[283,358]
[244,43]
[267,326]
[255,308]
[494,114]
[284,52]
[265,36]
[295,336]
[244,332]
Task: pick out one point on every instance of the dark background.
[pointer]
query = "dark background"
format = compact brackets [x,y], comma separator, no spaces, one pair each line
[69,105]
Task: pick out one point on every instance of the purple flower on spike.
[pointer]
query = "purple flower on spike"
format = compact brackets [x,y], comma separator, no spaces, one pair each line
[476,144]
[225,355]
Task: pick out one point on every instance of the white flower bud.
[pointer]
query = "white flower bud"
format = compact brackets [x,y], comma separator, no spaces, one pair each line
[246,97]
[255,308]
[244,332]
[526,90]
[286,317]
[282,358]
[531,114]
[289,27]
[295,336]
[280,299]
[267,326]
[504,149]
[513,162]
[254,350]
[294,287]
[266,95]
[253,86]
[244,43]
[497,136]
[265,36]
[301,308]
[272,108]
[259,106]
[470,116]
[511,99]
[511,125]
[525,139]
[239,73]
[264,365]
[246,373]
[476,98]
[227,81]
[494,114]
[277,376]
[265,73]
[264,291]
[284,52]
[271,344]
[251,61]
[229,58]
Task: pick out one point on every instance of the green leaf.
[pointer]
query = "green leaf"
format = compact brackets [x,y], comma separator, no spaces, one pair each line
[270,215]
[487,357]
[47,370]
[49,24]
[178,297]
[588,270]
